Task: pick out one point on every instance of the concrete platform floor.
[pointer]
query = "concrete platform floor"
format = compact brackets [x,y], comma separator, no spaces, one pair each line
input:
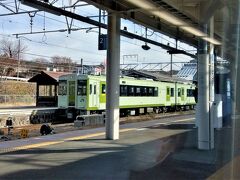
[146,150]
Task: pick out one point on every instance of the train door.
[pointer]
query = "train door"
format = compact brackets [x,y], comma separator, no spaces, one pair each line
[72,93]
[176,95]
[182,94]
[94,95]
[168,94]
[179,95]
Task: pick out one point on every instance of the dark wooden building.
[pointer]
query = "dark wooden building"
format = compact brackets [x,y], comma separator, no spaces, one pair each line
[47,87]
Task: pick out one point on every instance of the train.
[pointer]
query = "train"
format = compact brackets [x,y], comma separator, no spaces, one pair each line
[86,94]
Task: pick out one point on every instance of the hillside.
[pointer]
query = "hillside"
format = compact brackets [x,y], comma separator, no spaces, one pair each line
[17,88]
[17,93]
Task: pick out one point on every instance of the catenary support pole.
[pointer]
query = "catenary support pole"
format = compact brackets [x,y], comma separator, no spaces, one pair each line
[113,72]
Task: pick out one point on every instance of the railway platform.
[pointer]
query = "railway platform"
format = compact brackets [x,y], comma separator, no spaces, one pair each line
[25,115]
[157,149]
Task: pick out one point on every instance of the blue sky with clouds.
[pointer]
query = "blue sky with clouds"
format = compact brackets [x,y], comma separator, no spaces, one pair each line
[80,44]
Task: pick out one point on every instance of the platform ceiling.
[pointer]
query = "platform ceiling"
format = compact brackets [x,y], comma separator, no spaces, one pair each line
[193,12]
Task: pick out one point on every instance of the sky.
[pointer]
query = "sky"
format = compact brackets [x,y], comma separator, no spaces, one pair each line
[81,44]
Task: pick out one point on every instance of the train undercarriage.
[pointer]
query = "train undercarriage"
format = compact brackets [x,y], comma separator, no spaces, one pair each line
[69,115]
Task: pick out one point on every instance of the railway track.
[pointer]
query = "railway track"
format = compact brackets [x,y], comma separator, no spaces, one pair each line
[34,129]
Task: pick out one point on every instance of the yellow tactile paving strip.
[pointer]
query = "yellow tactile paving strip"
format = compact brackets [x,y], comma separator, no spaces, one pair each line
[48,143]
[42,144]
[31,146]
[95,135]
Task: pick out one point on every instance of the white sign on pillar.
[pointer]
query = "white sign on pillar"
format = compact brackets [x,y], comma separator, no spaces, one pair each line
[211,78]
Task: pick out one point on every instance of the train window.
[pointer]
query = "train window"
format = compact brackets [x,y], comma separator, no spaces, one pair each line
[90,88]
[103,88]
[138,91]
[150,91]
[82,87]
[123,90]
[182,91]
[172,92]
[144,91]
[179,92]
[62,90]
[155,91]
[168,91]
[95,89]
[131,91]
[189,93]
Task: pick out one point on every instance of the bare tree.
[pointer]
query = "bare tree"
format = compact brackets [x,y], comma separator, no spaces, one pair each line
[12,49]
[63,63]
[61,60]
[10,71]
[1,72]
[41,60]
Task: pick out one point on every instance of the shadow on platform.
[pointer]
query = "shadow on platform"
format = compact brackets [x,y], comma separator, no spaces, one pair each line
[172,157]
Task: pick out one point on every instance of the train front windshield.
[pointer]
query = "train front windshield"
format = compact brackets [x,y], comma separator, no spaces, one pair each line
[82,88]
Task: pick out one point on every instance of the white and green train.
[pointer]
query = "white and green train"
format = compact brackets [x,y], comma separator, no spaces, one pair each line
[86,94]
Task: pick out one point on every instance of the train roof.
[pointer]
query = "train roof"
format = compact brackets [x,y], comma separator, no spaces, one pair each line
[141,76]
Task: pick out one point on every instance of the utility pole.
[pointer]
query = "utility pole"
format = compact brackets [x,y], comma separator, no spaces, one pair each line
[18,57]
[81,65]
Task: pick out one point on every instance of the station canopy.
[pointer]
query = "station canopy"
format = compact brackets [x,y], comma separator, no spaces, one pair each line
[180,19]
[185,20]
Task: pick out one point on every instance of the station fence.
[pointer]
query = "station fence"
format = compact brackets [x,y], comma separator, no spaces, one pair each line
[17,99]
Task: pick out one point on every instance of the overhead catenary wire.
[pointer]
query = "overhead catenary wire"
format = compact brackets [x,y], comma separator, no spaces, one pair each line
[32,54]
[57,45]
[38,55]
[89,13]
[62,47]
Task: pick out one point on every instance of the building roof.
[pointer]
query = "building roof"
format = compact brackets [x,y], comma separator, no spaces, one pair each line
[188,71]
[47,77]
[157,76]
[55,75]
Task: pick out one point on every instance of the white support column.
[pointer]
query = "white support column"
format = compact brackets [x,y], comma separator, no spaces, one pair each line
[113,72]
[211,62]
[205,129]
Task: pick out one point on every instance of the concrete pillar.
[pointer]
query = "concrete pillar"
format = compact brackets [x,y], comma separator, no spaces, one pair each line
[113,73]
[234,36]
[203,115]
[211,62]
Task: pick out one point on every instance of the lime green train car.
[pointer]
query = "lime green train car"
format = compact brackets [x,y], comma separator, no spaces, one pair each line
[86,94]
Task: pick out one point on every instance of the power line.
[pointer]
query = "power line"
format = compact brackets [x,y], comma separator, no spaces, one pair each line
[25,11]
[56,45]
[44,56]
[156,33]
